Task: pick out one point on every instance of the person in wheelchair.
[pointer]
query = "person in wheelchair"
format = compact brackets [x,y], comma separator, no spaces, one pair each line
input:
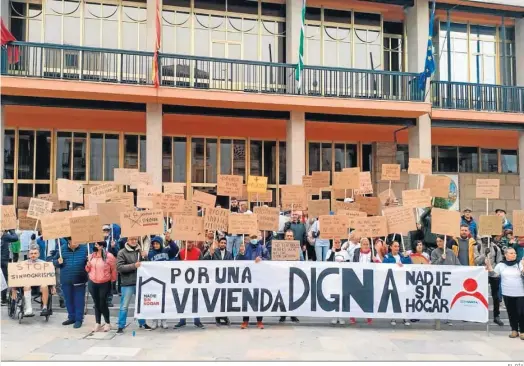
[34,254]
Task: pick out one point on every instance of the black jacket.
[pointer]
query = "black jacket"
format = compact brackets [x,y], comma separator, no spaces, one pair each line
[217,256]
[7,238]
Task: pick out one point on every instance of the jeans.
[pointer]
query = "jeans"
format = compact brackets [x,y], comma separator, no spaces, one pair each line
[515,308]
[195,321]
[75,299]
[127,294]
[4,270]
[246,319]
[99,293]
[321,252]
[58,286]
[301,255]
[233,244]
[494,283]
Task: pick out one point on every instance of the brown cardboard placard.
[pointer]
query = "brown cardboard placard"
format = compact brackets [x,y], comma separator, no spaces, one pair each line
[369,205]
[320,180]
[27,223]
[420,166]
[110,212]
[242,224]
[145,194]
[188,228]
[371,227]
[69,190]
[8,217]
[175,188]
[86,229]
[139,223]
[400,219]
[490,225]
[317,208]
[353,215]
[341,205]
[216,219]
[366,186]
[56,225]
[38,208]
[488,188]
[349,178]
[333,226]
[307,183]
[518,222]
[127,199]
[53,197]
[138,179]
[230,185]
[416,198]
[261,197]
[285,250]
[386,195]
[438,185]
[267,218]
[445,222]
[256,184]
[390,172]
[204,199]
[25,274]
[123,175]
[79,213]
[104,190]
[293,198]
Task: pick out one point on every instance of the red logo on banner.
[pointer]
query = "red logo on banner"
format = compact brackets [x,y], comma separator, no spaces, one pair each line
[470,285]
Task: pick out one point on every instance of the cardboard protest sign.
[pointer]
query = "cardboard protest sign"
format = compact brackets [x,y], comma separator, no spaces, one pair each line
[518,222]
[416,198]
[256,184]
[139,223]
[391,172]
[86,229]
[79,213]
[69,190]
[318,208]
[419,166]
[21,202]
[175,188]
[341,205]
[333,226]
[187,208]
[204,199]
[38,208]
[110,212]
[445,222]
[138,179]
[320,180]
[104,190]
[145,194]
[267,218]
[387,195]
[53,197]
[188,228]
[369,205]
[216,219]
[438,185]
[92,201]
[293,198]
[7,217]
[353,215]
[25,274]
[349,178]
[490,225]
[123,175]
[307,183]
[366,186]
[371,227]
[242,224]
[401,220]
[285,250]
[488,188]
[56,225]
[229,185]
[27,223]
[337,194]
[261,197]
[127,199]
[169,203]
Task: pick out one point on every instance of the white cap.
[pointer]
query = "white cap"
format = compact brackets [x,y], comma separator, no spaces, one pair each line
[350,200]
[106,227]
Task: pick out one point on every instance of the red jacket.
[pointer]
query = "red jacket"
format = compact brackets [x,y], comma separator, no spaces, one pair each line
[192,255]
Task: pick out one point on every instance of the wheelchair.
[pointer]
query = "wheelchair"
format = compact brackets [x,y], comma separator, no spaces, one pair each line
[16,306]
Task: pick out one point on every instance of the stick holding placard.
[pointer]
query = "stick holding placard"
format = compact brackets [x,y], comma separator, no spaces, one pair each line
[372,250]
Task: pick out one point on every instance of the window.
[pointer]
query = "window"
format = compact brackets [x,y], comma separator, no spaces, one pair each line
[263,158]
[490,162]
[327,156]
[403,156]
[203,160]
[104,156]
[135,152]
[71,155]
[447,159]
[468,159]
[26,20]
[282,166]
[506,49]
[9,154]
[367,157]
[509,161]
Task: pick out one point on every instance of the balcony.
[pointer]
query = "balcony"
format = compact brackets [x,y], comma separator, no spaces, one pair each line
[51,61]
[478,97]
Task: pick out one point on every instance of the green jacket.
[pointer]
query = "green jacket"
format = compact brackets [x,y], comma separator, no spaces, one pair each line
[15,247]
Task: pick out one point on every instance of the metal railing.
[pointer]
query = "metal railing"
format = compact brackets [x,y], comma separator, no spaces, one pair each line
[479,97]
[54,61]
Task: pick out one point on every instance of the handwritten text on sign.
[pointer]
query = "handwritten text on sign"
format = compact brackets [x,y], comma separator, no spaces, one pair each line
[347,179]
[391,172]
[25,274]
[353,216]
[285,250]
[419,166]
[293,198]
[490,225]
[69,190]
[371,226]
[86,229]
[366,186]
[518,222]
[38,208]
[188,228]
[104,190]
[401,220]
[268,218]
[333,226]
[56,225]
[204,199]
[229,185]
[216,219]
[243,224]
[438,185]
[416,198]
[256,184]
[445,222]
[488,188]
[7,217]
[123,175]
[137,223]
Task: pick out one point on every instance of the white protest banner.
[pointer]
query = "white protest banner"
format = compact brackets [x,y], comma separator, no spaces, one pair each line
[169,290]
[38,208]
[69,190]
[7,217]
[25,274]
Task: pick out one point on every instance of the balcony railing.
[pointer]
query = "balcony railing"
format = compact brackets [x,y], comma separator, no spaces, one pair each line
[51,61]
[479,97]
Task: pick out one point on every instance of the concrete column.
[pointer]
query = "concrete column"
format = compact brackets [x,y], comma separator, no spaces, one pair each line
[296,148]
[151,19]
[419,144]
[4,12]
[154,142]
[519,54]
[293,24]
[417,26]
[521,168]
[2,147]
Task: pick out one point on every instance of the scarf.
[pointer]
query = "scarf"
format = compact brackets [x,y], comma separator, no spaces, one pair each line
[509,263]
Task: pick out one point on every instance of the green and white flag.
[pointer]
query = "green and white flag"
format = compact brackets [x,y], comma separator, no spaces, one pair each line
[300,64]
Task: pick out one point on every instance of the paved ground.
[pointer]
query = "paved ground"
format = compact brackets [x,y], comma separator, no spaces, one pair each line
[312,339]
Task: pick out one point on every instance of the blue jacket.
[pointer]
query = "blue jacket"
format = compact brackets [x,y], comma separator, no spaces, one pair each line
[72,270]
[116,237]
[388,258]
[7,238]
[53,253]
[157,255]
[254,251]
[172,250]
[472,226]
[506,225]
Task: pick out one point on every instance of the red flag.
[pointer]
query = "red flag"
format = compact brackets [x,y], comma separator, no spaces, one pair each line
[156,76]
[13,53]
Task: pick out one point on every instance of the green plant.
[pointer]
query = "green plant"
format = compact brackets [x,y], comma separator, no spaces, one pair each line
[441,203]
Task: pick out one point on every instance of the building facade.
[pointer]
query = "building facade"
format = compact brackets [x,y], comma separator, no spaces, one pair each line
[79,99]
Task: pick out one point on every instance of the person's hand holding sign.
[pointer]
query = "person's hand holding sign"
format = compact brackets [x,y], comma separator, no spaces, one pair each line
[113,243]
[60,260]
[257,259]
[138,264]
[213,248]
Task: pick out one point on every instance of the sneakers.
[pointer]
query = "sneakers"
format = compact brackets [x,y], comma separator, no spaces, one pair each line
[146,327]
[97,328]
[514,334]
[77,325]
[244,325]
[179,325]
[334,321]
[45,312]
[393,322]
[120,331]
[370,321]
[407,323]
[294,319]
[341,321]
[260,325]
[106,327]
[68,322]
[163,324]
[61,304]
[352,321]
[282,319]
[227,321]
[200,325]
[448,322]
[498,321]
[154,324]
